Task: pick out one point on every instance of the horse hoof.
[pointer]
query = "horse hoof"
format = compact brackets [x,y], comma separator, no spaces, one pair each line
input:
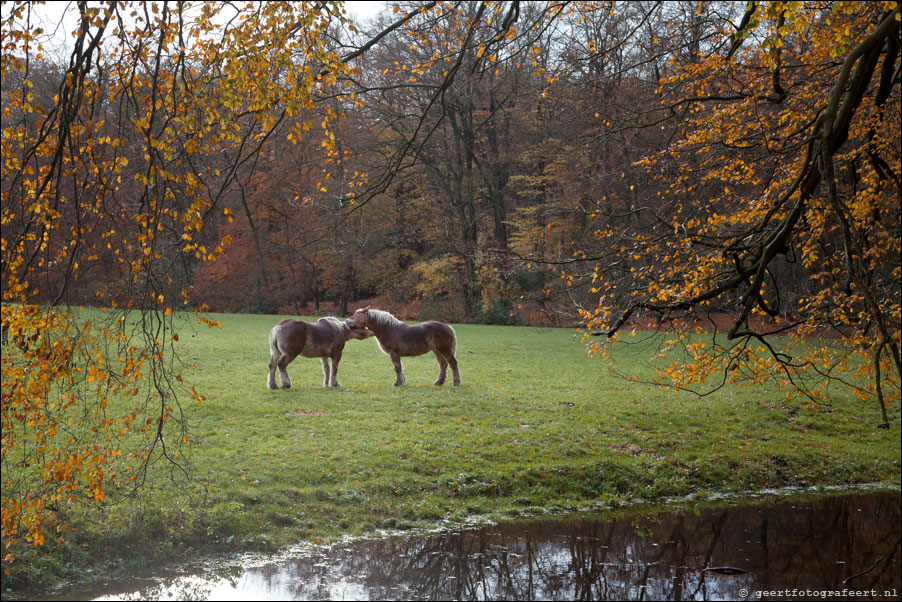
[438,383]
[272,386]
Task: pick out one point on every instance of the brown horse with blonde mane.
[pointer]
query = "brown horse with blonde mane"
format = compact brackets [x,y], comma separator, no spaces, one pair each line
[324,339]
[397,340]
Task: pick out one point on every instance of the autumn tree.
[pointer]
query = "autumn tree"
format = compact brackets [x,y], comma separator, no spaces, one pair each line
[112,167]
[777,200]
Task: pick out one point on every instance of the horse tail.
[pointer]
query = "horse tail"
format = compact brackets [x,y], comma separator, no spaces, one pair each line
[273,341]
[453,342]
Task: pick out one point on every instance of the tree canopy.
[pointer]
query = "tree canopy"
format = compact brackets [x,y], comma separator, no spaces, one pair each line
[777,198]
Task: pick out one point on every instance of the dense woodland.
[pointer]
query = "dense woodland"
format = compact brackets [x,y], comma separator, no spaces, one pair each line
[491,201]
[598,163]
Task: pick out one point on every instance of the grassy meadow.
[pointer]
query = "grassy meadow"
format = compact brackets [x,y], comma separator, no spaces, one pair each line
[536,426]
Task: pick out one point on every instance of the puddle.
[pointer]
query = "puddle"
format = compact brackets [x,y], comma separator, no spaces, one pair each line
[775,550]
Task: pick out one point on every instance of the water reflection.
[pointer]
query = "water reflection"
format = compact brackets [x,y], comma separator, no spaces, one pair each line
[713,554]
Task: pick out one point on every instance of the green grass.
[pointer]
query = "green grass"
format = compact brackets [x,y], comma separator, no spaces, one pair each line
[536,426]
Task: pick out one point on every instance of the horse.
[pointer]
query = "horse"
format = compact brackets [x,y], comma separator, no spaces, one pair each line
[397,340]
[323,339]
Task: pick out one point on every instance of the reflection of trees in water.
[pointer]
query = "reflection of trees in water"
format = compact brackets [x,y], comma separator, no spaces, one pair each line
[181,588]
[789,545]
[782,546]
[834,543]
[184,588]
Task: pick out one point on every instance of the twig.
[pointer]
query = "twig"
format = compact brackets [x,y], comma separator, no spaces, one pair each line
[868,570]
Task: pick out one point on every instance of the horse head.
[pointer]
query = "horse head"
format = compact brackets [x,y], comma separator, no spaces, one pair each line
[359,319]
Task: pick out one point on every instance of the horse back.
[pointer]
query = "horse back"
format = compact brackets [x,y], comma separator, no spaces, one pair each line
[438,329]
[318,339]
[323,337]
[423,338]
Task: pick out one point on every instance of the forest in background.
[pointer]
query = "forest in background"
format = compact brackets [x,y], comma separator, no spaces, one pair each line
[484,205]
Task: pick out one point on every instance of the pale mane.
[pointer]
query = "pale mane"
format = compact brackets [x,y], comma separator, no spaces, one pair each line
[382,317]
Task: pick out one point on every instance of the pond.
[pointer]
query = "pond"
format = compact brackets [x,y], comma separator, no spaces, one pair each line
[833,547]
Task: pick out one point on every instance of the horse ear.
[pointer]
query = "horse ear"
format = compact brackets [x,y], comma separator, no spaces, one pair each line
[367,308]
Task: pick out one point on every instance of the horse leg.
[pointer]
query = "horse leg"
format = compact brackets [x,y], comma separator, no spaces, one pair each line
[336,357]
[273,362]
[453,361]
[442,367]
[399,370]
[283,363]
[325,362]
